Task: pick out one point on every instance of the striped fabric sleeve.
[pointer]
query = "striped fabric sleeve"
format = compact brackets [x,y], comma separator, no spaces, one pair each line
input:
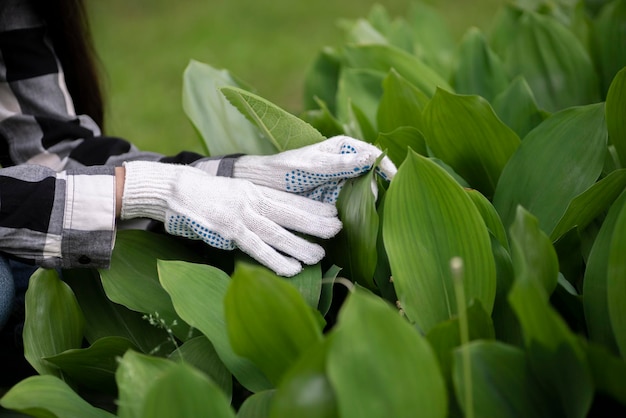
[58,219]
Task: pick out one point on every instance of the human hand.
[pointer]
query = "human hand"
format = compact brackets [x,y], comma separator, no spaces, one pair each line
[316,171]
[229,213]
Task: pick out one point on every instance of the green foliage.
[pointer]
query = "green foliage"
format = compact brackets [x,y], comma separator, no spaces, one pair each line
[487,279]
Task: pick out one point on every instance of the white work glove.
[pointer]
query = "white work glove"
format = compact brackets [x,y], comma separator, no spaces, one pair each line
[316,171]
[229,213]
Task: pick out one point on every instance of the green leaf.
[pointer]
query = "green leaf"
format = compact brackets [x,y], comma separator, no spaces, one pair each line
[284,130]
[268,321]
[305,391]
[477,145]
[479,70]
[428,220]
[321,80]
[95,365]
[384,57]
[532,252]
[185,392]
[554,352]
[609,372]
[49,397]
[365,376]
[198,293]
[608,35]
[398,142]
[200,353]
[322,120]
[502,384]
[223,129]
[516,106]
[104,318]
[433,41]
[134,376]
[615,110]
[401,104]
[54,322]
[584,208]
[309,284]
[361,88]
[133,280]
[595,282]
[356,242]
[490,216]
[556,162]
[552,59]
[445,336]
[257,405]
[616,282]
[326,294]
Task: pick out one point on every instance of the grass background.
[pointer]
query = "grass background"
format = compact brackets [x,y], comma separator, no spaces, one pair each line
[145,45]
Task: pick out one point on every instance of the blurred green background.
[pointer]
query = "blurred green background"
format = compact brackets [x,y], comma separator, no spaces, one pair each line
[145,45]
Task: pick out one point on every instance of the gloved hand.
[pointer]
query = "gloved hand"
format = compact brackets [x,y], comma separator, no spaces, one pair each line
[229,213]
[316,171]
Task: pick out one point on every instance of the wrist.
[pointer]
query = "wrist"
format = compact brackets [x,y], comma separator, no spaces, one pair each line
[120,175]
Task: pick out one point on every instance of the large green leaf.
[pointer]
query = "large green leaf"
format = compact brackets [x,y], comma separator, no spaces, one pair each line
[268,321]
[616,282]
[284,130]
[133,280]
[362,88]
[556,162]
[49,397]
[384,57]
[516,106]
[95,365]
[479,70]
[223,129]
[477,145]
[198,293]
[584,208]
[501,382]
[401,104]
[608,37]
[428,220]
[365,375]
[595,283]
[200,353]
[104,318]
[54,322]
[615,111]
[134,376]
[551,58]
[555,355]
[185,392]
[490,216]
[356,242]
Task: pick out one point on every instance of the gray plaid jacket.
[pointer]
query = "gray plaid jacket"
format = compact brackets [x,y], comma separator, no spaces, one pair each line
[57,184]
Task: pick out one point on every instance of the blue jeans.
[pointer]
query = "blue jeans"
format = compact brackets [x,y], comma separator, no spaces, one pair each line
[13,284]
[7,290]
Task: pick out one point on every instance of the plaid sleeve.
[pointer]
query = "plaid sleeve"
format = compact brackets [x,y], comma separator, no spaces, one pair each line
[58,219]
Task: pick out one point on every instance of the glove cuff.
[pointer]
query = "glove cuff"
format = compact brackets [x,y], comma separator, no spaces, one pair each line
[257,169]
[147,186]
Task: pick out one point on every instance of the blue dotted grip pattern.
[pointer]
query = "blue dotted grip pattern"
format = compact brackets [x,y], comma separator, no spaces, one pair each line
[183,226]
[322,187]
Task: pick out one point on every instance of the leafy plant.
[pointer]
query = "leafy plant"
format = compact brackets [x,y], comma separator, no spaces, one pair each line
[487,279]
